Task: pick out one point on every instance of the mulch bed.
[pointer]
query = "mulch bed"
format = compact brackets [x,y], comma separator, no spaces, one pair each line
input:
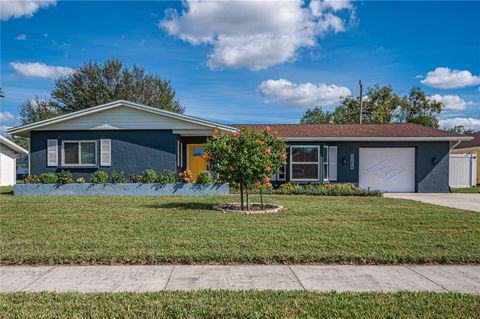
[254,208]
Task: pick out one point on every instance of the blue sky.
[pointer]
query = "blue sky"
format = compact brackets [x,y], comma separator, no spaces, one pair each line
[255,62]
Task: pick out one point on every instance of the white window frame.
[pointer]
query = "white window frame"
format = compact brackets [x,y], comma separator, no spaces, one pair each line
[317,162]
[276,175]
[79,153]
[325,159]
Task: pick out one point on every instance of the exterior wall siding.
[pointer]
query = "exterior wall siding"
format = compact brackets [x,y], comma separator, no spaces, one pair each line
[132,151]
[429,177]
[136,150]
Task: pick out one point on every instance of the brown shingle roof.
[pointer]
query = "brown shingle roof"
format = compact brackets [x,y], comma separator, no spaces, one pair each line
[473,143]
[350,130]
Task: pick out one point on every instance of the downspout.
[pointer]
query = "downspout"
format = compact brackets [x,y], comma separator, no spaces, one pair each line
[456,144]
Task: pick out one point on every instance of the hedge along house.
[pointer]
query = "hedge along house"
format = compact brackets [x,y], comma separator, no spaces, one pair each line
[130,137]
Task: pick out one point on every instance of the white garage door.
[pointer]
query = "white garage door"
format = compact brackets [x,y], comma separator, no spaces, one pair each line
[387,169]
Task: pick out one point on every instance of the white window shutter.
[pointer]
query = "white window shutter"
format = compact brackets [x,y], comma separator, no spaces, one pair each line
[105,152]
[332,163]
[52,152]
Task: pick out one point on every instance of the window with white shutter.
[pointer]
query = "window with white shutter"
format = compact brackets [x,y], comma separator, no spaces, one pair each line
[52,152]
[105,152]
[332,163]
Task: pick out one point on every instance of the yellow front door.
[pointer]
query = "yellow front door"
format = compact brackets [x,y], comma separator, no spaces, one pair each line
[195,162]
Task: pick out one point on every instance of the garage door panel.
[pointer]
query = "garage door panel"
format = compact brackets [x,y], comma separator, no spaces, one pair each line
[387,169]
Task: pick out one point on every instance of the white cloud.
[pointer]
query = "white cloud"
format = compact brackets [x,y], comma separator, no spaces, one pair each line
[21,37]
[303,94]
[451,102]
[467,122]
[254,34]
[319,7]
[39,69]
[445,78]
[6,116]
[24,8]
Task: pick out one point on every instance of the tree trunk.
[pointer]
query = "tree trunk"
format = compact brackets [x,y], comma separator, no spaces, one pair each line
[241,194]
[248,202]
[261,198]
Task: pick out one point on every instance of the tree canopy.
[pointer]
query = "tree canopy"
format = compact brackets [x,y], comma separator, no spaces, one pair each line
[94,84]
[461,130]
[247,157]
[382,106]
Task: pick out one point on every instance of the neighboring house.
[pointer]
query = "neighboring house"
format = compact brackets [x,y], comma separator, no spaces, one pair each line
[8,156]
[22,166]
[470,147]
[129,137]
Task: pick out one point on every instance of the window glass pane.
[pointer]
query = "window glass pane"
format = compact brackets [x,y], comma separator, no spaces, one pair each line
[197,151]
[88,153]
[304,171]
[325,171]
[71,153]
[325,154]
[304,154]
[281,173]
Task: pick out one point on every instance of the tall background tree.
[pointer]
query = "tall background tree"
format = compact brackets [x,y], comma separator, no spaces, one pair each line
[94,84]
[381,106]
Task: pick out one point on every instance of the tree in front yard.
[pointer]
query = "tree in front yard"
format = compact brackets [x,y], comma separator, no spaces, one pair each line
[246,157]
[94,84]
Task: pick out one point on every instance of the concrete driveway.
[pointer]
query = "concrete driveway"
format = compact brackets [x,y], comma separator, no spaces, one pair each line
[454,200]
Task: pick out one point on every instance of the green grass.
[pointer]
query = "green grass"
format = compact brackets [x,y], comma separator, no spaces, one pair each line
[466,190]
[6,190]
[246,304]
[152,230]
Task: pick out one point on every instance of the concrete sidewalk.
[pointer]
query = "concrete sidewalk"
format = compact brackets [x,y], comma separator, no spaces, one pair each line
[454,200]
[241,277]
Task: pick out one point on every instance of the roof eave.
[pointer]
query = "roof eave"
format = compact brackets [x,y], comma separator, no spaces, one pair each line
[16,148]
[29,127]
[380,139]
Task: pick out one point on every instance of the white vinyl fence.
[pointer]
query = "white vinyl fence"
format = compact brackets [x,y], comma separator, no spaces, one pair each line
[463,170]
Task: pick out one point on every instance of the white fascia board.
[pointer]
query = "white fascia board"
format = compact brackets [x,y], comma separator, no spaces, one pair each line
[378,139]
[14,147]
[103,107]
[193,132]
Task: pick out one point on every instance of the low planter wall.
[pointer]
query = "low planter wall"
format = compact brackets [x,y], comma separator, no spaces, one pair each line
[133,189]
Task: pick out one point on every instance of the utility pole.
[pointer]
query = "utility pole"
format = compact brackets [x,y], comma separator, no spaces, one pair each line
[361,95]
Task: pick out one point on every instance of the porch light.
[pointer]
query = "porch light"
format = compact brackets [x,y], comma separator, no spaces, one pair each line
[344,161]
[434,160]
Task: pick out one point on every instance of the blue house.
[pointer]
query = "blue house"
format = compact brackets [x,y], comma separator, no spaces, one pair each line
[130,137]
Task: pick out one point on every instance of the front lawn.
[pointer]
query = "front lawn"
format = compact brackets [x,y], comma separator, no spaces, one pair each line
[465,189]
[240,304]
[152,230]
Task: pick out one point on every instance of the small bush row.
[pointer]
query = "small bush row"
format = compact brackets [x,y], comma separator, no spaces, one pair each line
[102,177]
[289,188]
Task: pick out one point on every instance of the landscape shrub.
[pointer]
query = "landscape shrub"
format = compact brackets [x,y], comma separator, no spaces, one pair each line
[64,177]
[118,177]
[185,176]
[135,178]
[289,186]
[204,177]
[99,177]
[319,190]
[149,176]
[80,180]
[31,179]
[48,178]
[166,177]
